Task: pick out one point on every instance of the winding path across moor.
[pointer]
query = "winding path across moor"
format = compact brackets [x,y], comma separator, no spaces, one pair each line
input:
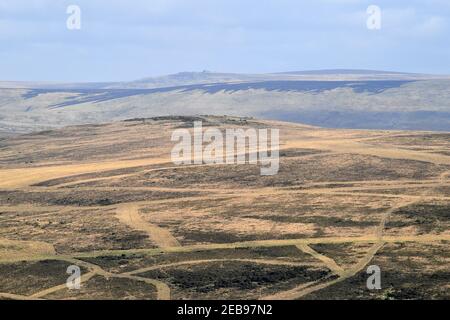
[129,214]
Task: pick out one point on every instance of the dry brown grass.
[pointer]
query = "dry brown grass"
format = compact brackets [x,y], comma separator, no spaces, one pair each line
[111,190]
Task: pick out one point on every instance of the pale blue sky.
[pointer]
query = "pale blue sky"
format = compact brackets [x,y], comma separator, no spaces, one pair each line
[127,40]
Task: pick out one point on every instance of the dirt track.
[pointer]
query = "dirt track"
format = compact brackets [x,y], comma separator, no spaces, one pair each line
[128,214]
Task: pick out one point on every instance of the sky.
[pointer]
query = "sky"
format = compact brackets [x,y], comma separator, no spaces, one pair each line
[123,40]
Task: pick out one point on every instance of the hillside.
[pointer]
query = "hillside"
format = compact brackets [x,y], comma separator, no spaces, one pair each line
[329,98]
[107,198]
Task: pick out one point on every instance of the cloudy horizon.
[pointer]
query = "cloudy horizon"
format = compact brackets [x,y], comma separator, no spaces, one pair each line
[124,41]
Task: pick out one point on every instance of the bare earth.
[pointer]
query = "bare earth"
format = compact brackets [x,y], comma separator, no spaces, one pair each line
[108,199]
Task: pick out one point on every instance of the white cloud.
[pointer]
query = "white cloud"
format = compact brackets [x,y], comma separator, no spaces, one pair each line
[237,35]
[432,26]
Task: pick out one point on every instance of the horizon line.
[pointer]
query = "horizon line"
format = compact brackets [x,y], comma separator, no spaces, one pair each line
[308,72]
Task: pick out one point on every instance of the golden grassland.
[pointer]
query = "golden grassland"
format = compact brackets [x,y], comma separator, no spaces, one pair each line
[108,199]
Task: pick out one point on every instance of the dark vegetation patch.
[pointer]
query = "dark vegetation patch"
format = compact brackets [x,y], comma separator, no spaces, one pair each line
[319,220]
[408,271]
[100,288]
[396,285]
[130,262]
[432,190]
[86,198]
[303,208]
[445,153]
[199,236]
[419,190]
[26,278]
[424,139]
[326,185]
[79,230]
[167,119]
[192,204]
[292,172]
[188,121]
[206,278]
[294,152]
[433,253]
[427,217]
[344,254]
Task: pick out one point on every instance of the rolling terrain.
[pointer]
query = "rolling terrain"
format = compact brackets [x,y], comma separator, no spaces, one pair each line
[107,198]
[355,99]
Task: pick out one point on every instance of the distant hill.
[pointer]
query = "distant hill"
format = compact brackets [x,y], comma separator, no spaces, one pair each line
[189,78]
[362,99]
[347,71]
[203,77]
